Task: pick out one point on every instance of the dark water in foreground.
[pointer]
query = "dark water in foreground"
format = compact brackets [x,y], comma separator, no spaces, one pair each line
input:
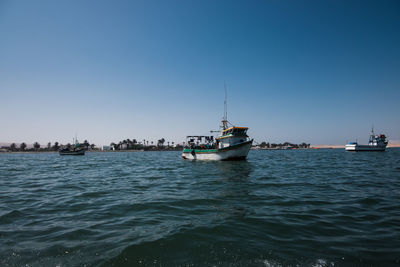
[278,208]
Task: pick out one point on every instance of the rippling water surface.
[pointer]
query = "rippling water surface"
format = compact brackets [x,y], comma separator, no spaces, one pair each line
[278,208]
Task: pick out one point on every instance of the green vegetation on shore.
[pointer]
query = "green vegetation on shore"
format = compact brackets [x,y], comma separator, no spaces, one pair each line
[146,145]
[286,145]
[36,147]
[124,145]
[132,144]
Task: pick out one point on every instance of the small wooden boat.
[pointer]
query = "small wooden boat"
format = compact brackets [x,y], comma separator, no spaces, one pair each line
[76,150]
[72,152]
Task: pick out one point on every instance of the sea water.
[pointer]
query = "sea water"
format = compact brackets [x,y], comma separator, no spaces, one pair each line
[278,208]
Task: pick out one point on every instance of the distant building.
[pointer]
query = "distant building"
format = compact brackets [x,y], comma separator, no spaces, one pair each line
[107,148]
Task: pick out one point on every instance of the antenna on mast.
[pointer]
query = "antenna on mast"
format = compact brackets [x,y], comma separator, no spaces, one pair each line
[225,118]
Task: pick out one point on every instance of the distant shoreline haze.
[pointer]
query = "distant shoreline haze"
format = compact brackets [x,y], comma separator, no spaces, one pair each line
[393,143]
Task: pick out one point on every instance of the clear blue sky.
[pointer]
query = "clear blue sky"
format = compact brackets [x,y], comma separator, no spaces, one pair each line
[316,71]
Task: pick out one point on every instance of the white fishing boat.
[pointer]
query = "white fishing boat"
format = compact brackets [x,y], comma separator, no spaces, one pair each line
[233,143]
[376,143]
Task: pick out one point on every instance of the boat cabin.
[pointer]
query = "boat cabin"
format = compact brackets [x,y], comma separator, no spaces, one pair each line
[232,136]
[242,131]
[377,140]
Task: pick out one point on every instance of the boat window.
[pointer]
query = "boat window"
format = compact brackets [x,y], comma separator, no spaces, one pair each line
[241,131]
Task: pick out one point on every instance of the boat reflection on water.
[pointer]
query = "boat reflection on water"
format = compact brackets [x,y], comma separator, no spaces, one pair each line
[235,170]
[235,178]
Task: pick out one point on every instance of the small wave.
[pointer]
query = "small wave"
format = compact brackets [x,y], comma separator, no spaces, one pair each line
[322,263]
[11,216]
[369,201]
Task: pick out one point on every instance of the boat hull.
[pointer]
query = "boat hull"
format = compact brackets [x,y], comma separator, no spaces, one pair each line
[234,152]
[356,148]
[72,153]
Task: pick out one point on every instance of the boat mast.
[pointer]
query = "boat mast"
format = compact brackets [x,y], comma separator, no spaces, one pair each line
[225,118]
[372,136]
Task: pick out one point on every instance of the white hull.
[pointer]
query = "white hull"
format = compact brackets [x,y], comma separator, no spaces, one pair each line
[353,147]
[235,152]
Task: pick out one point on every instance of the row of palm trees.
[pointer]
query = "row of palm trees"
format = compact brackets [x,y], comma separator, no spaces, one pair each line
[36,147]
[126,144]
[49,147]
[134,144]
[286,144]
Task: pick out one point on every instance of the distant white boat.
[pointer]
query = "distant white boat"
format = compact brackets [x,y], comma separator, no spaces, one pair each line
[376,143]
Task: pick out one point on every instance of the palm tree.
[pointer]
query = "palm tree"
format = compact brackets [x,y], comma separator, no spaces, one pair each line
[22,146]
[161,142]
[134,142]
[86,144]
[56,146]
[13,146]
[36,146]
